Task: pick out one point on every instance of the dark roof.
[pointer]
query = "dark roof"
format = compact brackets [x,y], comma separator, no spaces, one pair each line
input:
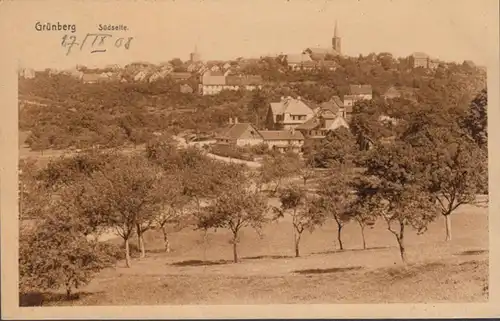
[243,80]
[333,104]
[92,77]
[360,89]
[234,131]
[281,135]
[180,75]
[310,124]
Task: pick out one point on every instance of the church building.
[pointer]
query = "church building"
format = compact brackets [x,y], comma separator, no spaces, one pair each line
[318,54]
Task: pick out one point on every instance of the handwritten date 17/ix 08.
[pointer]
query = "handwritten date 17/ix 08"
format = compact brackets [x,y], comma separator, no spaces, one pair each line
[95,42]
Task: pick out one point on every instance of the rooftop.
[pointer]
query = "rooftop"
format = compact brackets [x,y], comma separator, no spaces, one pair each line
[360,89]
[281,135]
[234,131]
[291,106]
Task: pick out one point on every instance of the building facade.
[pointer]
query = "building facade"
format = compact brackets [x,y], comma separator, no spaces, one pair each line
[288,113]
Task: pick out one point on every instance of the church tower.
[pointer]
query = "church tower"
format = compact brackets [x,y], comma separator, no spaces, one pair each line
[336,43]
[195,56]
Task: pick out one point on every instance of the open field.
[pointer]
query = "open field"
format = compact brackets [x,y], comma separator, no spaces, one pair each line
[201,273]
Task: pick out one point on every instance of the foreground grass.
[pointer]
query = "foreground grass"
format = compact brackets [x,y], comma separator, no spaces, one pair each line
[199,270]
[435,282]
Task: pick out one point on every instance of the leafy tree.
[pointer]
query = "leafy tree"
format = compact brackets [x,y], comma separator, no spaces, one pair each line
[233,210]
[56,253]
[476,121]
[458,173]
[176,62]
[306,171]
[130,189]
[30,190]
[338,147]
[363,215]
[395,187]
[458,165]
[336,196]
[257,106]
[276,168]
[305,215]
[174,207]
[365,124]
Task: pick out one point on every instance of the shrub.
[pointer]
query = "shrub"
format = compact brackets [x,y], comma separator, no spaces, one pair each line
[232,151]
[55,254]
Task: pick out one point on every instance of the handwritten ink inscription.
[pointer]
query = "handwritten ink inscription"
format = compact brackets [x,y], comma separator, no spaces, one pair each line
[95,42]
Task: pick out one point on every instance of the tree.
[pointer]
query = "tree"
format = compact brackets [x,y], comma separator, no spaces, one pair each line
[305,215]
[56,253]
[365,124]
[336,196]
[176,62]
[129,186]
[395,187]
[31,192]
[457,164]
[338,147]
[233,210]
[277,167]
[257,106]
[476,120]
[458,173]
[363,215]
[173,208]
[306,171]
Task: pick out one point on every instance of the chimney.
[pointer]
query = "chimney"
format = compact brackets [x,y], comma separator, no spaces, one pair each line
[235,120]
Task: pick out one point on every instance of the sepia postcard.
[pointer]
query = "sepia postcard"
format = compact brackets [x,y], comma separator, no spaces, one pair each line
[249,159]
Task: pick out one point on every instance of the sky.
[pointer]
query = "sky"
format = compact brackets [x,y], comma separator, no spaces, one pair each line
[452,30]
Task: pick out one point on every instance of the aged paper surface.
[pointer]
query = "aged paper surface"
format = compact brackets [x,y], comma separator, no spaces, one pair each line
[207,59]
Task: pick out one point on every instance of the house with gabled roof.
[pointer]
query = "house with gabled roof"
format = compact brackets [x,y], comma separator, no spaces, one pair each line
[400,92]
[239,134]
[336,106]
[357,93]
[421,59]
[180,75]
[298,61]
[283,140]
[288,113]
[321,124]
[213,83]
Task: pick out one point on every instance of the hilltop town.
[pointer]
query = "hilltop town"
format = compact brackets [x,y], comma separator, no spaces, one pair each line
[313,91]
[306,177]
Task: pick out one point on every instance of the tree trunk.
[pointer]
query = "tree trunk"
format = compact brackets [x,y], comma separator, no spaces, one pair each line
[401,243]
[143,249]
[140,241]
[297,245]
[339,235]
[165,239]
[68,291]
[235,250]
[448,227]
[127,253]
[363,235]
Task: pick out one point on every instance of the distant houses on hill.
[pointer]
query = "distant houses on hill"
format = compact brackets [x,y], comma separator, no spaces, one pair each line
[289,123]
[213,83]
[423,60]
[357,93]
